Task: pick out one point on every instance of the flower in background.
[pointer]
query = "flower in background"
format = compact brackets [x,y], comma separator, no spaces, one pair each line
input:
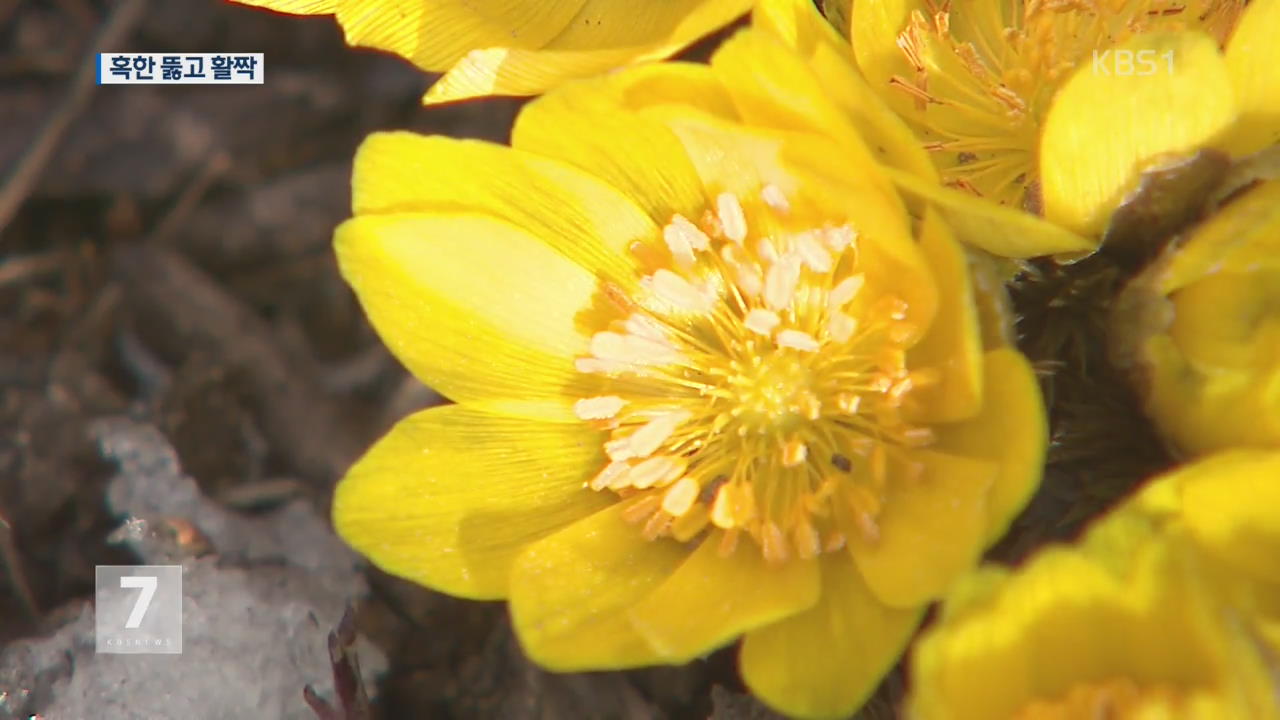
[714,376]
[1199,330]
[976,80]
[518,47]
[1229,505]
[1167,608]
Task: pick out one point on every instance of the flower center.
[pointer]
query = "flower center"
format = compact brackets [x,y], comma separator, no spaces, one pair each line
[756,382]
[985,76]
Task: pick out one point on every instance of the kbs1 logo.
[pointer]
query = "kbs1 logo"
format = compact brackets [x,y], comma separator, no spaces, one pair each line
[1126,63]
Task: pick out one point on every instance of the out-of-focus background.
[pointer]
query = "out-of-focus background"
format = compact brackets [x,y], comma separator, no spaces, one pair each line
[183,377]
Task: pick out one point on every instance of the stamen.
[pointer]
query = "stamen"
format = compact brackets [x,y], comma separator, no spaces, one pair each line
[683,238]
[773,196]
[598,408]
[657,471]
[680,496]
[655,432]
[797,340]
[780,283]
[794,453]
[611,472]
[805,538]
[812,253]
[844,291]
[749,391]
[733,221]
[632,349]
[841,327]
[679,292]
[761,321]
[773,544]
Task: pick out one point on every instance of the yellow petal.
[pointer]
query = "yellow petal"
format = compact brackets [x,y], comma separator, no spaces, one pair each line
[1062,622]
[932,529]
[582,124]
[995,228]
[451,495]
[711,599]
[689,85]
[1202,413]
[825,661]
[1253,59]
[952,343]
[518,71]
[669,25]
[604,35]
[1243,237]
[570,593]
[434,35]
[1105,125]
[1231,502]
[580,216]
[875,29]
[1011,430]
[296,7]
[772,87]
[829,57]
[476,308]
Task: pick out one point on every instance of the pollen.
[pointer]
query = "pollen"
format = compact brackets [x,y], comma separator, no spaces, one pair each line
[1001,64]
[754,385]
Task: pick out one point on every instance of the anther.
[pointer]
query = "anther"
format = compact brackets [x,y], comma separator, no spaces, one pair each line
[773,197]
[797,340]
[794,453]
[680,497]
[761,321]
[679,292]
[598,408]
[733,221]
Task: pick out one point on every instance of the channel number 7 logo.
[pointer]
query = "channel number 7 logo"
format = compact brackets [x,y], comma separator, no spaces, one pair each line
[138,609]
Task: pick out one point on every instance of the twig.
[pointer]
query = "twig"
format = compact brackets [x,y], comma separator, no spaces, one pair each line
[191,196]
[12,561]
[18,185]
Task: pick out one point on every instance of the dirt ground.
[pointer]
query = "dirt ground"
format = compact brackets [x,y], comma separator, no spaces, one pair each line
[164,255]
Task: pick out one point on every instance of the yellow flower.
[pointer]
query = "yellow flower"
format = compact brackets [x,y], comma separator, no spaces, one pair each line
[715,378]
[1229,504]
[1167,609]
[518,47]
[977,81]
[1105,128]
[1199,330]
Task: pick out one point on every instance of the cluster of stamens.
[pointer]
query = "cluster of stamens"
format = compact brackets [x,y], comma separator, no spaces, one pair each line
[755,383]
[1003,73]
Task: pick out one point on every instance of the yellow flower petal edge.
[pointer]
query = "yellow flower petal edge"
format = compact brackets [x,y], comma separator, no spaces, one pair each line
[1105,125]
[499,47]
[852,627]
[1228,502]
[979,83]
[475,487]
[1199,330]
[1149,613]
[1253,59]
[782,414]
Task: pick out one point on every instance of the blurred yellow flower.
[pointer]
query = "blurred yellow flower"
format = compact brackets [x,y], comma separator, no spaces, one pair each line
[518,47]
[1199,330]
[715,378]
[977,80]
[1168,608]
